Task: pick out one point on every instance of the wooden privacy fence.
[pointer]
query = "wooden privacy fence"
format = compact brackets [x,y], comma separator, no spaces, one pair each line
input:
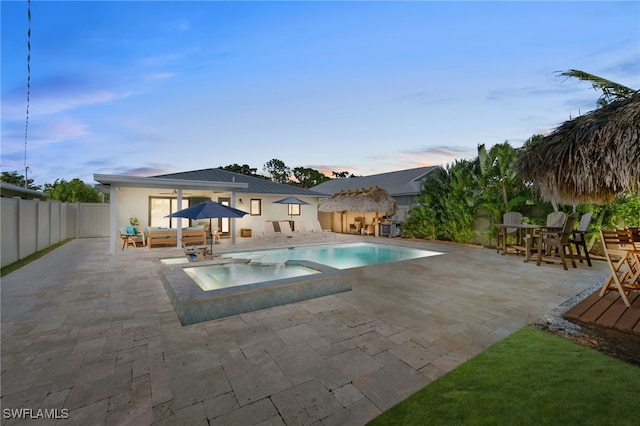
[32,225]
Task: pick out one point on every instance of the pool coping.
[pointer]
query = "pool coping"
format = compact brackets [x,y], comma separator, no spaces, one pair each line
[194,305]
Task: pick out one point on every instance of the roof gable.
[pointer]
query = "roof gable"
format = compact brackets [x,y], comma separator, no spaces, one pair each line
[398,183]
[255,185]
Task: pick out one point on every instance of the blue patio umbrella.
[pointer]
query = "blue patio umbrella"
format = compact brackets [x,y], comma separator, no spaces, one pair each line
[208,210]
[291,200]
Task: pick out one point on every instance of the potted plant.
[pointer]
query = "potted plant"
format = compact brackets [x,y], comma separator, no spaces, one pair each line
[132,229]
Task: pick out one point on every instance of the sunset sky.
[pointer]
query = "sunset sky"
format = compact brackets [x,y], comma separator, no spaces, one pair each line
[146,88]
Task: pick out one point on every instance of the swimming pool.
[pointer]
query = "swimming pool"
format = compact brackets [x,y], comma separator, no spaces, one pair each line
[249,281]
[339,256]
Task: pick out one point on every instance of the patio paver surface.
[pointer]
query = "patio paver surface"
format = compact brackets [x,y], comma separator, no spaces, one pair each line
[95,334]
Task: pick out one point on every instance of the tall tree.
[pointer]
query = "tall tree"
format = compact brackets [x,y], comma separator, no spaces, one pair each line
[308,178]
[245,169]
[342,175]
[446,205]
[15,178]
[278,170]
[74,191]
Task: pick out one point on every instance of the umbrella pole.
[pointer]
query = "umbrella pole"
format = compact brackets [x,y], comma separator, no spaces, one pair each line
[210,236]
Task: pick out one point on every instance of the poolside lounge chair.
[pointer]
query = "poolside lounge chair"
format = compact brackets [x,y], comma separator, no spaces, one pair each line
[270,232]
[285,229]
[301,228]
[257,230]
[318,228]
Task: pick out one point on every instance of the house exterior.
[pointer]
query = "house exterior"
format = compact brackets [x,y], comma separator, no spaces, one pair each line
[8,190]
[151,199]
[402,185]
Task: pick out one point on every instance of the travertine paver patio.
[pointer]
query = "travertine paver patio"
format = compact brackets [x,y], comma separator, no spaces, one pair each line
[95,334]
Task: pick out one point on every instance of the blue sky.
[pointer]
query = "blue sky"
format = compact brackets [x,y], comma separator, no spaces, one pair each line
[146,88]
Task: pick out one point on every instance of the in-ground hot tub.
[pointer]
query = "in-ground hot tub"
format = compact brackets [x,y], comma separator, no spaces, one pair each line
[293,281]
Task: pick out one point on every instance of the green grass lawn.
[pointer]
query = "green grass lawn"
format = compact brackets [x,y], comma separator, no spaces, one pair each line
[530,378]
[20,263]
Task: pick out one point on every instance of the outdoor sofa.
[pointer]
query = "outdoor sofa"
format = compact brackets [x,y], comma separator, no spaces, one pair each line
[169,236]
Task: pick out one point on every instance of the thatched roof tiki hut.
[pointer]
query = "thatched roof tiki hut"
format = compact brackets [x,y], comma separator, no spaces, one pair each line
[590,159]
[363,200]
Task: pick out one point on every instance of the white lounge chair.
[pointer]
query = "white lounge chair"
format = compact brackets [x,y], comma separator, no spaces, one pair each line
[302,229]
[285,229]
[317,228]
[270,232]
[257,230]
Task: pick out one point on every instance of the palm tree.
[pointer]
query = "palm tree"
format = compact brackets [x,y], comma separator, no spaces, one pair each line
[611,91]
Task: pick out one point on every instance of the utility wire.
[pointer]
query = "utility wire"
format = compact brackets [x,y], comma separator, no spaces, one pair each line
[26,124]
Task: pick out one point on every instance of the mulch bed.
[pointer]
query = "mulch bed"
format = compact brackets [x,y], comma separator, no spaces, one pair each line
[623,346]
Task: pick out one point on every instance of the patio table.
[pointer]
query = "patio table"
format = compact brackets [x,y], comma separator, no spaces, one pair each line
[523,228]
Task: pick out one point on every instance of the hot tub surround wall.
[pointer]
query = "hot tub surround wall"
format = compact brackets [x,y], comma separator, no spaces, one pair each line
[194,305]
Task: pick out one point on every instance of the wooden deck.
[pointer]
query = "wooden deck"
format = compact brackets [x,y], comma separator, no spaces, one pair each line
[608,313]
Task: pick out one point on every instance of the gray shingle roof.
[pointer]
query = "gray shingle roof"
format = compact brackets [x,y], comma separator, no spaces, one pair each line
[402,182]
[256,185]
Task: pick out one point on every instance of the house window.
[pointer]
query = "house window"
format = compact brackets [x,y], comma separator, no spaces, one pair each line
[159,207]
[256,207]
[294,209]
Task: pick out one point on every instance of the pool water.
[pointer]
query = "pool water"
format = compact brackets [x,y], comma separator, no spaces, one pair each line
[339,256]
[248,281]
[214,277]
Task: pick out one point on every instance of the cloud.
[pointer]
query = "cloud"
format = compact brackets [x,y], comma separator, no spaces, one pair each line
[438,150]
[159,76]
[150,170]
[164,59]
[425,97]
[55,100]
[42,132]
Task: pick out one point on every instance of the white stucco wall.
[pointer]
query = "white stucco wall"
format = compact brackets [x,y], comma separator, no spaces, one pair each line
[134,202]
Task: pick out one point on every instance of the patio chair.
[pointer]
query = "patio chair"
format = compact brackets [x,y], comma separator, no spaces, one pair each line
[369,228]
[509,218]
[317,227]
[579,239]
[195,253]
[301,228]
[285,229]
[257,230]
[356,226]
[270,232]
[624,263]
[557,242]
[556,220]
[131,236]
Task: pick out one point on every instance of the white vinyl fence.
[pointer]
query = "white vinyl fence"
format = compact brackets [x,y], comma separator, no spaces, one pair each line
[32,225]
